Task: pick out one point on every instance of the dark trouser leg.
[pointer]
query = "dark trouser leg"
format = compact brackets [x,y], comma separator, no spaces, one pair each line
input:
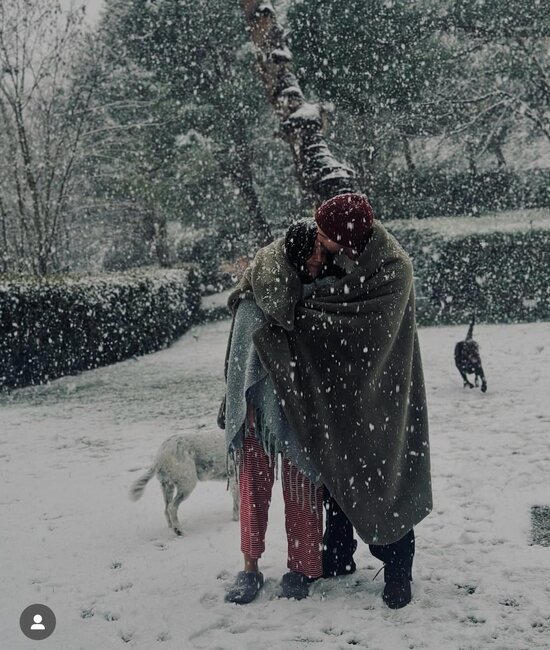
[398,560]
[338,542]
[398,555]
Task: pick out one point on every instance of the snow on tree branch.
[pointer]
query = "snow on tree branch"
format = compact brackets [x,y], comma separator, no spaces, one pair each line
[301,123]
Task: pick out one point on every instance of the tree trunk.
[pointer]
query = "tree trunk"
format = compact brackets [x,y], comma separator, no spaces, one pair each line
[495,146]
[161,239]
[5,249]
[408,154]
[155,235]
[320,174]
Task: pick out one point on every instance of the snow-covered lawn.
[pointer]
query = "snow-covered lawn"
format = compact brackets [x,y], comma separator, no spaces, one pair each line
[508,221]
[116,576]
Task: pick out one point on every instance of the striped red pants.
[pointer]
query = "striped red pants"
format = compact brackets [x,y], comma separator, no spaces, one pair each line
[304,524]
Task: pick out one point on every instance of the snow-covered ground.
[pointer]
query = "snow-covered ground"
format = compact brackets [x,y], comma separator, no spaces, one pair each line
[508,221]
[116,576]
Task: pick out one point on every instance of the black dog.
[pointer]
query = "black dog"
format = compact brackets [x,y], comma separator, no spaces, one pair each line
[468,361]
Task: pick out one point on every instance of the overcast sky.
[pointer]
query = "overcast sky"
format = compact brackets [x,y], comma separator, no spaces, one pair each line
[93,7]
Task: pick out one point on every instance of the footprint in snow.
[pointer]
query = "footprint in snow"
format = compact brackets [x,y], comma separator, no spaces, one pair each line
[126,636]
[162,546]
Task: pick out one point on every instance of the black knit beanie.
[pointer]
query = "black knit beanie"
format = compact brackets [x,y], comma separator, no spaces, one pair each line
[299,245]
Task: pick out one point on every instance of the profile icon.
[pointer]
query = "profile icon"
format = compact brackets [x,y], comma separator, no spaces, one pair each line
[37,622]
[37,625]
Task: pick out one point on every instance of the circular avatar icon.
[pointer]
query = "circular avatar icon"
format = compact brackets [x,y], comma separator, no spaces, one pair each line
[37,622]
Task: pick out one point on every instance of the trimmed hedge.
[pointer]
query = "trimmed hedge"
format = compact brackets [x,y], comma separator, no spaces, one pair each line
[432,194]
[63,325]
[504,276]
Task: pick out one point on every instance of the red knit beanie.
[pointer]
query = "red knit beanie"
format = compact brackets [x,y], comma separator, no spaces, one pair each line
[346,219]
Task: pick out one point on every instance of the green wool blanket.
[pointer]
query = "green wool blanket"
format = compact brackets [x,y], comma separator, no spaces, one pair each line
[346,367]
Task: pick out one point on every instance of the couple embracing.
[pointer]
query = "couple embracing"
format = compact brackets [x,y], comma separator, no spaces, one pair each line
[323,369]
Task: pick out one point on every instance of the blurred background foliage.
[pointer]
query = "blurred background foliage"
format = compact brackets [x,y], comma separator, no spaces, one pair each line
[442,109]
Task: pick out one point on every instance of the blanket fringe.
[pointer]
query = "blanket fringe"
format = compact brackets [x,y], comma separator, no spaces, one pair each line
[274,451]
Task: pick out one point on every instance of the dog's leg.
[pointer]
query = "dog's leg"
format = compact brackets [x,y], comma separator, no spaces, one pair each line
[467,382]
[173,510]
[185,478]
[482,377]
[167,492]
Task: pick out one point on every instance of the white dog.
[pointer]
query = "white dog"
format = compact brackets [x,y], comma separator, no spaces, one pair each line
[181,461]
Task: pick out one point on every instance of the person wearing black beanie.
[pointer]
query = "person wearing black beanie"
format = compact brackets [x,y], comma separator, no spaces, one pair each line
[339,543]
[300,241]
[257,431]
[303,250]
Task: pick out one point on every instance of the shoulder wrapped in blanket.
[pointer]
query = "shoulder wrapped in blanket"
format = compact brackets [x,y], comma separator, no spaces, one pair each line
[346,366]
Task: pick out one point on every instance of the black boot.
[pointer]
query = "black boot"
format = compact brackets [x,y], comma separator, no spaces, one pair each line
[338,542]
[397,591]
[296,585]
[398,560]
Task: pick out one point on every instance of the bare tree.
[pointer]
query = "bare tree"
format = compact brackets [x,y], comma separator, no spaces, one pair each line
[502,74]
[302,123]
[43,122]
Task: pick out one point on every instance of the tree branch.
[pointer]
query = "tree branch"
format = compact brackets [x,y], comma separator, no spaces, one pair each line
[302,123]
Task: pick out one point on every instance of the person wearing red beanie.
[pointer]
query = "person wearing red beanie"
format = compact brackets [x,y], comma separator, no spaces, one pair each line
[346,370]
[344,222]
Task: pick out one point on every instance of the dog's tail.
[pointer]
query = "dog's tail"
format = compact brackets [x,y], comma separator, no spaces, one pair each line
[470,334]
[137,488]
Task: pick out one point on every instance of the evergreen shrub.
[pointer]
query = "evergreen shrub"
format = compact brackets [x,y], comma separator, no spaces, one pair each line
[62,325]
[210,248]
[501,276]
[423,194]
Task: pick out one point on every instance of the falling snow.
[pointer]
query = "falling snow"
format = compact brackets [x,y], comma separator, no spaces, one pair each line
[112,570]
